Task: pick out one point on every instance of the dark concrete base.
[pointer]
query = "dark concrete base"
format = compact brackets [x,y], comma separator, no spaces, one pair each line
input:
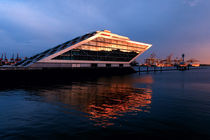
[54,75]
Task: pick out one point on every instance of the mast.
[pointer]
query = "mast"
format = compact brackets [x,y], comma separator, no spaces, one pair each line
[183,55]
[12,58]
[2,57]
[1,60]
[5,58]
[17,58]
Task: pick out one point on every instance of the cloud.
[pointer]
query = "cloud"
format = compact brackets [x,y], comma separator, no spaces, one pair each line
[48,19]
[26,17]
[29,25]
[192,3]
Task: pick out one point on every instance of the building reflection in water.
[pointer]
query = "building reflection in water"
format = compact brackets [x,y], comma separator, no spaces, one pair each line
[106,99]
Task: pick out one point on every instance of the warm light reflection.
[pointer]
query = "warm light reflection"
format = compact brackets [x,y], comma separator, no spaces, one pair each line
[135,101]
[105,100]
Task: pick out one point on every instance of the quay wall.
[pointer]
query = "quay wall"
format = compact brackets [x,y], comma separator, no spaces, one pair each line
[32,74]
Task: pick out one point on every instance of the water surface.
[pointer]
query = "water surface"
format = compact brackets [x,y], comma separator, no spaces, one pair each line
[167,105]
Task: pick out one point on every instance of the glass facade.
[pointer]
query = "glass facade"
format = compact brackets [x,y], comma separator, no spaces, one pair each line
[103,49]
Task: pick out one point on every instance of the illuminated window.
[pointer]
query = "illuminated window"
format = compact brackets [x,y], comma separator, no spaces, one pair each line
[101,49]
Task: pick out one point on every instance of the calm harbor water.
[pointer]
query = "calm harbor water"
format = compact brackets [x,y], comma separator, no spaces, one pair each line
[167,105]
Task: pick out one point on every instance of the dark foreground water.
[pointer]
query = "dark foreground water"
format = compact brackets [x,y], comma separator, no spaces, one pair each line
[167,105]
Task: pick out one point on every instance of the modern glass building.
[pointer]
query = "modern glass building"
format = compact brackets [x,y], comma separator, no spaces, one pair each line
[96,49]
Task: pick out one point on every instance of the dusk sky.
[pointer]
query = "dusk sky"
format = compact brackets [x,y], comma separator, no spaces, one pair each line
[172,26]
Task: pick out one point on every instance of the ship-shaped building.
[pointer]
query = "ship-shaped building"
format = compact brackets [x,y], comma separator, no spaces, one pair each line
[100,49]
